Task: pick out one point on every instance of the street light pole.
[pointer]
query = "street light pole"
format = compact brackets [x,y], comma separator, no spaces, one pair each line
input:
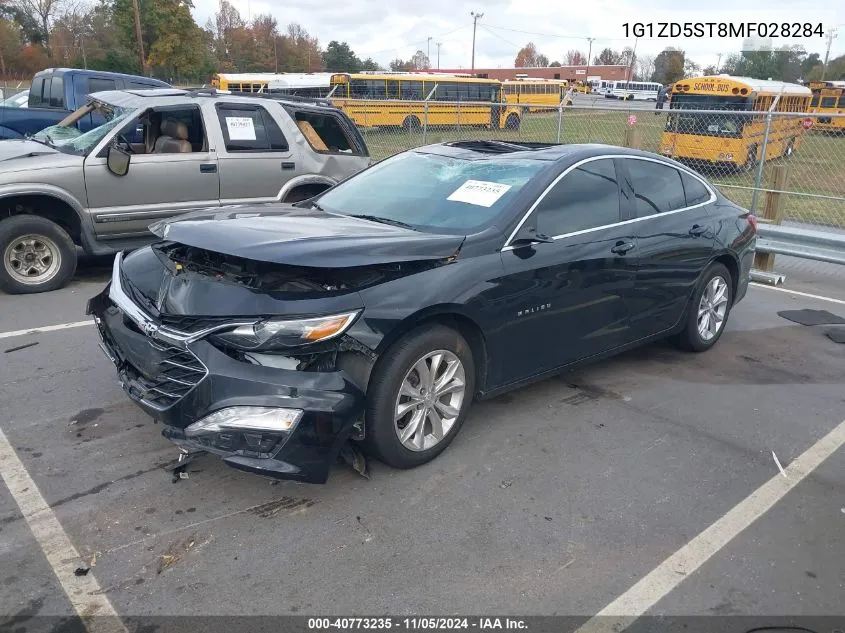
[475,18]
[589,52]
[439,44]
[428,51]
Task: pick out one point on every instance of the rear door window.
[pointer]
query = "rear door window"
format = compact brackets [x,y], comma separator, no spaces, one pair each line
[250,129]
[657,187]
[96,84]
[57,92]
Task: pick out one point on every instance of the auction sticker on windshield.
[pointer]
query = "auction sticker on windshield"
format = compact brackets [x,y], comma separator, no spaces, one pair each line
[240,128]
[479,192]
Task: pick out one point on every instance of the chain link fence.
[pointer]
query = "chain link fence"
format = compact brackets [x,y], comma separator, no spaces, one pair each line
[738,151]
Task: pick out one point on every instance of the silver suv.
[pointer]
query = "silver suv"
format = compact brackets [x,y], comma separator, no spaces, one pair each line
[160,153]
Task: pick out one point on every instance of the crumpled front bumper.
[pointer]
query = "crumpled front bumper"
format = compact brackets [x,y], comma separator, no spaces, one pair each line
[179,382]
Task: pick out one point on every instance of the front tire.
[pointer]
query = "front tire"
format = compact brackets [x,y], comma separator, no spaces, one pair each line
[418,396]
[37,255]
[708,311]
[512,121]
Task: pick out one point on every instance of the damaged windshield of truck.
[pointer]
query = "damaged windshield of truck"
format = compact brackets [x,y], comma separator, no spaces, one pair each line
[67,138]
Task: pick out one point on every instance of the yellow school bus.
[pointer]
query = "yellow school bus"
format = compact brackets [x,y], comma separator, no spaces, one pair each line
[733,138]
[396,99]
[539,94]
[828,98]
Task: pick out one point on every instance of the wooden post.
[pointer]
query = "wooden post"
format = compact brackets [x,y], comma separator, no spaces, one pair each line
[632,137]
[772,213]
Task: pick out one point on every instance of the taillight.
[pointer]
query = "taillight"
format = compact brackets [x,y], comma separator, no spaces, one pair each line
[752,220]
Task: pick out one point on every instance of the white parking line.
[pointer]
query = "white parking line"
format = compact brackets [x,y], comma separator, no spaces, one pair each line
[623,611]
[84,593]
[46,328]
[800,294]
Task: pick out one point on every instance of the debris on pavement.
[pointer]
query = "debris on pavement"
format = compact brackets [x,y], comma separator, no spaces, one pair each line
[177,550]
[20,347]
[777,461]
[506,483]
[180,465]
[812,317]
[353,456]
[81,571]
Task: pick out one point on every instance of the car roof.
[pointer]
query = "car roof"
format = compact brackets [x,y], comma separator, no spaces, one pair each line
[157,97]
[104,74]
[488,149]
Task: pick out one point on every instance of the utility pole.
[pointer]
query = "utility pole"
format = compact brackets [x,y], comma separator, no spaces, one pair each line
[831,34]
[718,62]
[589,52]
[439,44]
[631,61]
[84,58]
[141,58]
[428,50]
[276,51]
[475,18]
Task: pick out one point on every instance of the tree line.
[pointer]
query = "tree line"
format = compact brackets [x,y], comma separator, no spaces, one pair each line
[789,63]
[166,43]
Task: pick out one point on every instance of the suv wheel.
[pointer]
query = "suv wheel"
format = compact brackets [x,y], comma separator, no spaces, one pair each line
[418,396]
[38,255]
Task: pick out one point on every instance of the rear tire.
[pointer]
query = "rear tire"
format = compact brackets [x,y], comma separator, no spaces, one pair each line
[399,396]
[512,121]
[37,255]
[411,124]
[708,310]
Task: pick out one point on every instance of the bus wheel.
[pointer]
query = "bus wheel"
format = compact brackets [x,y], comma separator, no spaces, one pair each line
[512,122]
[790,148]
[411,124]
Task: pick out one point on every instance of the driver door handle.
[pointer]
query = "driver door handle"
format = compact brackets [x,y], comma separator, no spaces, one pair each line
[622,248]
[208,168]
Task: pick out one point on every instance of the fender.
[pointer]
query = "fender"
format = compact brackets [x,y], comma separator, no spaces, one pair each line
[8,133]
[40,189]
[307,179]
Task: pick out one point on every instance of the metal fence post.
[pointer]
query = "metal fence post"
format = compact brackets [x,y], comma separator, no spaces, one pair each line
[758,179]
[559,120]
[425,122]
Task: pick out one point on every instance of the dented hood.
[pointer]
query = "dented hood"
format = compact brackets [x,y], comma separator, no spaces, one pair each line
[285,234]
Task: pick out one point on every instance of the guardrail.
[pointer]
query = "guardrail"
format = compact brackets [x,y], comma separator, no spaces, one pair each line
[798,242]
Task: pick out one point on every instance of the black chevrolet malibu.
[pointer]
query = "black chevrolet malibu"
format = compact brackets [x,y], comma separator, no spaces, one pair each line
[380,309]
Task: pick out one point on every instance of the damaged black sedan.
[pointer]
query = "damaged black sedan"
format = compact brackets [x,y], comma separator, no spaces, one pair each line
[378,311]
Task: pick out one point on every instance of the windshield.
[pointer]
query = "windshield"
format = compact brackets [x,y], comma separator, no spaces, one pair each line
[433,193]
[67,138]
[727,125]
[19,100]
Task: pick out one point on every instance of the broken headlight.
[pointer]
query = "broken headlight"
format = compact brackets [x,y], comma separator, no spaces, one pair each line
[281,333]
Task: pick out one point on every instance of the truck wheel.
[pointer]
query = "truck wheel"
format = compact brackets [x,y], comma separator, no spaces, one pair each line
[512,122]
[38,255]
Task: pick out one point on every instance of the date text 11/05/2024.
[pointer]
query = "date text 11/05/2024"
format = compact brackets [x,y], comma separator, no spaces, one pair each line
[416,624]
[723,29]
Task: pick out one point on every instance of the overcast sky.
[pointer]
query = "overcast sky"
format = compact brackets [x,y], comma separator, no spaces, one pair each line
[386,29]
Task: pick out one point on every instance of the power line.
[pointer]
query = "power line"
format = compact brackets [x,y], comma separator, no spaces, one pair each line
[517,46]
[419,43]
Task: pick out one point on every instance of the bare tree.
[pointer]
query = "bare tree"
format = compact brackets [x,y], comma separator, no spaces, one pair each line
[645,66]
[44,11]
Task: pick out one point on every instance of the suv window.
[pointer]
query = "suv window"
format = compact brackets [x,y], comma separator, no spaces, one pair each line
[57,92]
[323,132]
[586,198]
[248,128]
[694,191]
[657,187]
[35,92]
[96,84]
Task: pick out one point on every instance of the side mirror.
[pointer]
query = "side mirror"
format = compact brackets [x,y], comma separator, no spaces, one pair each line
[528,235]
[117,160]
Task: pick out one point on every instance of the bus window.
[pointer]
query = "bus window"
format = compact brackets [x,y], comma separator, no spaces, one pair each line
[828,102]
[412,90]
[841,100]
[392,89]
[815,101]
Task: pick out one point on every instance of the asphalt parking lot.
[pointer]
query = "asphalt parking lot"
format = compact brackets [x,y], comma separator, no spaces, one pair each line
[554,499]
